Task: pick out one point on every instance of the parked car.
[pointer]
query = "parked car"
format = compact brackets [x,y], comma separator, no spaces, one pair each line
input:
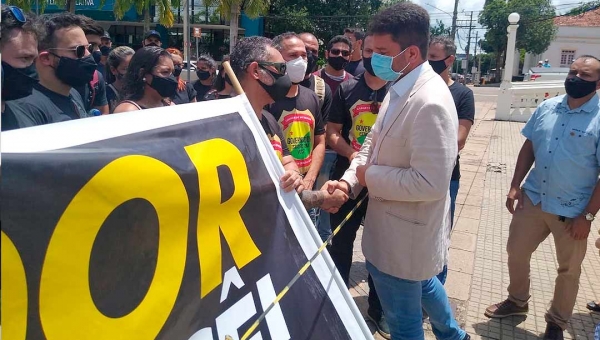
[547,73]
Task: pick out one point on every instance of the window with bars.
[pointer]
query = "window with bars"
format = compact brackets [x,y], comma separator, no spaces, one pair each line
[567,57]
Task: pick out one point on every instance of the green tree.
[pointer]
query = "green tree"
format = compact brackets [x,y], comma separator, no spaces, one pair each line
[536,28]
[586,7]
[231,9]
[440,28]
[163,7]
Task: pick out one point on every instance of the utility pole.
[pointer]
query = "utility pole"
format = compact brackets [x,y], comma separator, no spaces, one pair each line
[466,70]
[454,15]
[478,72]
[186,37]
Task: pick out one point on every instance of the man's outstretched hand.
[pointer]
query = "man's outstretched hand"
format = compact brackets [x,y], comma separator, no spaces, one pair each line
[291,180]
[332,186]
[333,201]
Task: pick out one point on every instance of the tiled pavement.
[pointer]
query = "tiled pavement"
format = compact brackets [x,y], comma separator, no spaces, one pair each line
[478,274]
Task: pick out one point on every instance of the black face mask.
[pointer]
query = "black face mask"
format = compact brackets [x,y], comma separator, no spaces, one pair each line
[76,72]
[97,55]
[338,63]
[579,88]
[152,44]
[120,75]
[312,63]
[203,75]
[367,65]
[177,71]
[280,88]
[439,66]
[105,50]
[20,81]
[165,86]
[220,82]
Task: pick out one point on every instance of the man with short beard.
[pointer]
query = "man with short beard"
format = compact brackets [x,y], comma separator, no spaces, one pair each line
[63,62]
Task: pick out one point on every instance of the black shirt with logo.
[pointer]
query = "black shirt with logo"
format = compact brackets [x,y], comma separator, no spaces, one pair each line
[43,106]
[201,90]
[327,98]
[355,106]
[300,119]
[275,134]
[186,96]
[465,107]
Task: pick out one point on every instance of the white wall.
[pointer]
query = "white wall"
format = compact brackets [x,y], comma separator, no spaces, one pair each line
[583,40]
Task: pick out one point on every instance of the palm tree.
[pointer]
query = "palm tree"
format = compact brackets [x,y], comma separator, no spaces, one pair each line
[164,7]
[231,10]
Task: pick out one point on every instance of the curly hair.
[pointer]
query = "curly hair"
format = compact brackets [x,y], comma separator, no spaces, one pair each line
[141,64]
[174,51]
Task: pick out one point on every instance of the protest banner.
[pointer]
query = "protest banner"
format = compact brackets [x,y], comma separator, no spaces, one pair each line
[166,223]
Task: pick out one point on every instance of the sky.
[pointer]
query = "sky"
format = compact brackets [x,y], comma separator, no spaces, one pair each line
[464,9]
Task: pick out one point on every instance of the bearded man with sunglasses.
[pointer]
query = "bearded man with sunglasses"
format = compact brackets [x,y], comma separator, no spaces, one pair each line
[261,71]
[338,54]
[64,62]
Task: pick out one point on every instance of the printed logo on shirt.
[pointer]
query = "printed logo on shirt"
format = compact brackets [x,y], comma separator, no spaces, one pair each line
[362,122]
[276,143]
[298,128]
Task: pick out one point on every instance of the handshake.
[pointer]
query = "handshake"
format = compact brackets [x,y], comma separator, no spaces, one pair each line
[330,198]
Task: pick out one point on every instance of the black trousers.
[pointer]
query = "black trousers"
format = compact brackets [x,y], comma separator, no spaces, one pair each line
[342,246]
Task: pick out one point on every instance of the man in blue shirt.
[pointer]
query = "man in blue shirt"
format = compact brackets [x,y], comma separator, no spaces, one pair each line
[560,196]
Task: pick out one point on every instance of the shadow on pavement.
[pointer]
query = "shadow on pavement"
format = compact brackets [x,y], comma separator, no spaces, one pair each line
[498,329]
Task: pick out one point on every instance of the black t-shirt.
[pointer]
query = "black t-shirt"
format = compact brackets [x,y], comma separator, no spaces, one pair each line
[185,96]
[327,98]
[42,107]
[465,107]
[85,92]
[353,106]
[201,90]
[113,97]
[355,68]
[275,134]
[300,119]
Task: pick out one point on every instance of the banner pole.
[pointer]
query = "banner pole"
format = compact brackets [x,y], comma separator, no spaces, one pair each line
[236,83]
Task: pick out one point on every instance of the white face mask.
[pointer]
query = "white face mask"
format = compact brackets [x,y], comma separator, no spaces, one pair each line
[296,69]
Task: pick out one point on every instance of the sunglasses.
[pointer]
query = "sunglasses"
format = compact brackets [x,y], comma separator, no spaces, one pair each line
[17,13]
[374,102]
[335,52]
[79,50]
[280,67]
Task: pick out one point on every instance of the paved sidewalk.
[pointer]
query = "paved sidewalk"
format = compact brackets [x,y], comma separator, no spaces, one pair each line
[478,273]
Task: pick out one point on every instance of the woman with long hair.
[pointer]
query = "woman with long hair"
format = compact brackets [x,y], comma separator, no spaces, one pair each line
[149,81]
[185,90]
[116,67]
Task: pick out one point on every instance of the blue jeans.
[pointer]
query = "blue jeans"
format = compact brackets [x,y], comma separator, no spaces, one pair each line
[402,301]
[454,186]
[322,217]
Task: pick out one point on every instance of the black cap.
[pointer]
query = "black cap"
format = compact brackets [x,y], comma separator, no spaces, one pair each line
[106,36]
[152,33]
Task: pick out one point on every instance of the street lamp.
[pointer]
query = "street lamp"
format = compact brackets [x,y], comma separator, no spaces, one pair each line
[513,20]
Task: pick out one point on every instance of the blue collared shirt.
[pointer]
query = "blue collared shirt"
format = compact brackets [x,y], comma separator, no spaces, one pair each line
[567,155]
[402,86]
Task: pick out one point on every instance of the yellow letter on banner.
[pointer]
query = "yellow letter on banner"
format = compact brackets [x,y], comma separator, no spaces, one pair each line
[14,292]
[214,215]
[67,310]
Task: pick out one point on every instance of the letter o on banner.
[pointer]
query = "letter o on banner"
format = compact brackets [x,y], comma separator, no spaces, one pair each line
[67,310]
[14,292]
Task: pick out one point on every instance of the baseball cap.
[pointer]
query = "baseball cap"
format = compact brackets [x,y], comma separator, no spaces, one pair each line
[152,33]
[106,35]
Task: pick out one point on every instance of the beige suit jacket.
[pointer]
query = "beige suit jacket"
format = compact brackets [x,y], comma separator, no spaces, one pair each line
[412,157]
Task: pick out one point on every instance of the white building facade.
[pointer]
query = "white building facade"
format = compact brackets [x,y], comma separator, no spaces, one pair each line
[576,35]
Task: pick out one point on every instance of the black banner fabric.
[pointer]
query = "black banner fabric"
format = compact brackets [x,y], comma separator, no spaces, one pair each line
[171,233]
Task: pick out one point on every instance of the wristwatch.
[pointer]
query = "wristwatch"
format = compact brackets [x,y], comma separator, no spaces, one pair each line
[589,217]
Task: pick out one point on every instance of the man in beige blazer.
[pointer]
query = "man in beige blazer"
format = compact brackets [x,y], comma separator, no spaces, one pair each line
[406,163]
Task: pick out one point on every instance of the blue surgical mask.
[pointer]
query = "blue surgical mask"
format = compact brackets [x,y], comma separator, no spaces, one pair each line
[382,66]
